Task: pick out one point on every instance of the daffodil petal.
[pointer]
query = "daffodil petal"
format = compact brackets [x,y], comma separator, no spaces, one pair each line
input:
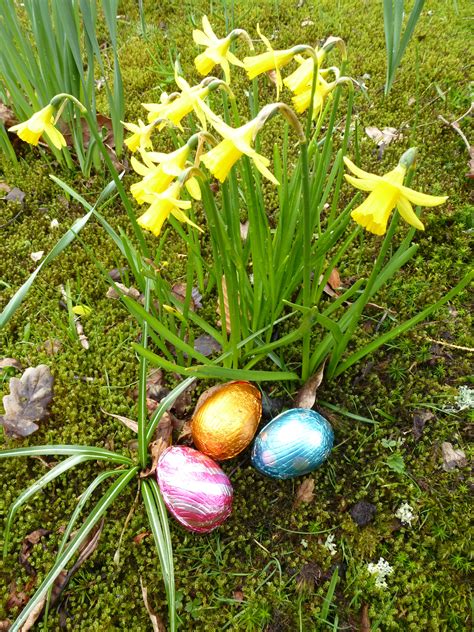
[261,163]
[207,28]
[139,167]
[422,199]
[234,60]
[360,173]
[363,185]
[406,211]
[183,218]
[200,38]
[55,137]
[194,190]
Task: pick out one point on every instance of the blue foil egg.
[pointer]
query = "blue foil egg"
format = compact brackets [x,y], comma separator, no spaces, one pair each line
[292,444]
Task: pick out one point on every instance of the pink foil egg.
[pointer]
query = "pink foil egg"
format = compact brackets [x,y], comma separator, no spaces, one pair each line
[195,489]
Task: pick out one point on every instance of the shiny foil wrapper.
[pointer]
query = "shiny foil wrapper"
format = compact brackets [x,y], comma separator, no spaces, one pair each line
[226,422]
[294,443]
[195,489]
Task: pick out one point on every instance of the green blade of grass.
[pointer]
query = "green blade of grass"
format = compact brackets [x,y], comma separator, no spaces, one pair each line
[99,454]
[96,514]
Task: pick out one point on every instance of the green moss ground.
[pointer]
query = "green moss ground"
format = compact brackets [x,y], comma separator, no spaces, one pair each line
[267,545]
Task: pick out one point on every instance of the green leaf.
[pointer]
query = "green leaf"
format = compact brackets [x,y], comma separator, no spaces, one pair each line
[99,454]
[223,373]
[396,463]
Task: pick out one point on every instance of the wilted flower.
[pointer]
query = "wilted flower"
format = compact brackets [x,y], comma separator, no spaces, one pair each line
[386,193]
[42,122]
[381,570]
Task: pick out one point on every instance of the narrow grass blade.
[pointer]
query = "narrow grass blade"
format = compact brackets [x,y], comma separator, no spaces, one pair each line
[93,518]
[223,373]
[99,454]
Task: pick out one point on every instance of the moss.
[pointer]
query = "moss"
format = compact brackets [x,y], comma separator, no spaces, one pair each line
[266,543]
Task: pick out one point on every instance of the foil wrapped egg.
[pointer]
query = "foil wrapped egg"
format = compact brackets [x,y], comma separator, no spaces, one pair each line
[227,420]
[195,489]
[294,443]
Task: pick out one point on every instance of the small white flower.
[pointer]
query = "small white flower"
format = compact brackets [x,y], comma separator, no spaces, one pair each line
[304,544]
[330,545]
[380,570]
[465,398]
[405,514]
[54,223]
[36,256]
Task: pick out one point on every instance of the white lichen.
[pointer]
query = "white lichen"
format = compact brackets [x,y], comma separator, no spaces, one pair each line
[380,570]
[405,514]
[330,545]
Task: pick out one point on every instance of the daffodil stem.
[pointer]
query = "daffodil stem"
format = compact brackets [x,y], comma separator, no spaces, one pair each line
[142,409]
[307,232]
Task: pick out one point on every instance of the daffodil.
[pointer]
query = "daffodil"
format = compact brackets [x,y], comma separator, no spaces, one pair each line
[237,141]
[302,77]
[217,50]
[141,136]
[162,205]
[271,60]
[158,171]
[42,122]
[176,107]
[386,193]
[302,100]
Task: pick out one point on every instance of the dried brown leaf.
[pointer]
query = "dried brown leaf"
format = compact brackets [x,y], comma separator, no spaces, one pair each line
[306,396]
[382,136]
[334,279]
[186,435]
[452,458]
[131,292]
[207,345]
[226,308]
[5,187]
[179,292]
[52,346]
[156,621]
[364,619]
[5,625]
[419,420]
[14,195]
[10,362]
[34,615]
[132,425]
[238,595]
[28,401]
[244,230]
[305,492]
[141,536]
[27,545]
[7,116]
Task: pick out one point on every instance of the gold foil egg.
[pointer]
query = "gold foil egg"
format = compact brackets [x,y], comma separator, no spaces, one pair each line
[226,421]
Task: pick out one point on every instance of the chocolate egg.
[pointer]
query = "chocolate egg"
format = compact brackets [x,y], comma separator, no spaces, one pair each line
[195,489]
[227,420]
[293,443]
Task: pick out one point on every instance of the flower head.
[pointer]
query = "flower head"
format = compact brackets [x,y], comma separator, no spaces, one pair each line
[141,136]
[386,193]
[302,99]
[162,205]
[217,51]
[271,60]
[42,122]
[302,77]
[380,570]
[158,171]
[235,143]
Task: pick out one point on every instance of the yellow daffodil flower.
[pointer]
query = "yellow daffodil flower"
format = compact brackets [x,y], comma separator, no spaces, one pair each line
[162,205]
[271,60]
[42,122]
[302,77]
[217,50]
[386,193]
[302,100]
[175,109]
[141,137]
[158,171]
[237,141]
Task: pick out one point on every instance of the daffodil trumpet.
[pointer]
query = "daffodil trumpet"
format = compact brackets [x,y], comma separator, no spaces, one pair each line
[386,193]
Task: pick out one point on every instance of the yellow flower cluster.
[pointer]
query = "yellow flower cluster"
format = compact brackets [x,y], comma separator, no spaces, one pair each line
[165,175]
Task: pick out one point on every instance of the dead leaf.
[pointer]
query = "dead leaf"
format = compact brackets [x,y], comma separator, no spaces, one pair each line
[419,419]
[14,195]
[179,292]
[7,117]
[207,345]
[27,546]
[226,308]
[272,76]
[305,492]
[52,346]
[334,279]
[131,292]
[33,616]
[364,619]
[244,230]
[238,595]
[384,136]
[328,289]
[10,362]
[162,441]
[452,458]
[117,273]
[37,256]
[80,332]
[28,401]
[5,187]
[306,396]
[132,425]
[17,598]
[309,577]
[156,621]
[141,536]
[5,625]
[186,434]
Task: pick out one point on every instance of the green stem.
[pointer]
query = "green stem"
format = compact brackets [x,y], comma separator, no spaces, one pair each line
[142,409]
[306,253]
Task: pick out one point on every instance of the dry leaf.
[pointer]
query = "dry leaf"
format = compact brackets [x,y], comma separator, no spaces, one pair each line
[306,396]
[452,458]
[364,619]
[14,195]
[305,492]
[141,536]
[5,625]
[156,621]
[52,346]
[80,332]
[37,256]
[179,292]
[116,273]
[10,362]
[18,598]
[186,434]
[238,595]
[334,279]
[226,308]
[27,546]
[244,230]
[419,419]
[5,187]
[33,616]
[382,137]
[207,345]
[28,401]
[131,292]
[132,425]
[7,117]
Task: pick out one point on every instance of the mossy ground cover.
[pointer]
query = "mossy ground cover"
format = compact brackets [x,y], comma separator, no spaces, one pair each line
[267,568]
